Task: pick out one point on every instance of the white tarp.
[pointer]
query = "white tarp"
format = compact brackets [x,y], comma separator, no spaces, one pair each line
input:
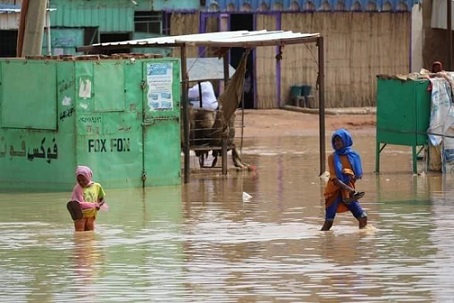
[439,14]
[441,128]
[209,68]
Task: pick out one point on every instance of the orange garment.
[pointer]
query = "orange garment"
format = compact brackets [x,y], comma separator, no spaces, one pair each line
[332,190]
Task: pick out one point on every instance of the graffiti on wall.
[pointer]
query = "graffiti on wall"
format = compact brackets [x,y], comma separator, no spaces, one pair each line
[92,124]
[43,151]
[109,145]
[67,113]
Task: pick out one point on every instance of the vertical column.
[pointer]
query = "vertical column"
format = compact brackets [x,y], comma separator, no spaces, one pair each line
[321,107]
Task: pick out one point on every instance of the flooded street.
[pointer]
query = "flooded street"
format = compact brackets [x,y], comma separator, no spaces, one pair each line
[202,242]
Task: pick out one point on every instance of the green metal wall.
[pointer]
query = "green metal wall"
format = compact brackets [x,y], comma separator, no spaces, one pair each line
[403,111]
[109,16]
[35,135]
[120,117]
[403,115]
[179,5]
[63,41]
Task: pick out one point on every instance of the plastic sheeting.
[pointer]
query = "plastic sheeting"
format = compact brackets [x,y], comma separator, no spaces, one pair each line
[439,14]
[210,68]
[441,128]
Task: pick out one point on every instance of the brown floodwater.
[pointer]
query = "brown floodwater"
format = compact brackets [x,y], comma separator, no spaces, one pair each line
[202,242]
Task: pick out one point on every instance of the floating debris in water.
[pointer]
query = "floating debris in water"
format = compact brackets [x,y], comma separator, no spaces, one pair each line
[246,197]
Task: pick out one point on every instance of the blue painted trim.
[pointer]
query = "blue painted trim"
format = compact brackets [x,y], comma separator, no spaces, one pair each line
[278,64]
[202,29]
[9,6]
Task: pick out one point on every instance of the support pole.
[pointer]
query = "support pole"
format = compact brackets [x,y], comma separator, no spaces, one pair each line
[224,134]
[21,31]
[185,114]
[49,40]
[31,28]
[449,34]
[321,107]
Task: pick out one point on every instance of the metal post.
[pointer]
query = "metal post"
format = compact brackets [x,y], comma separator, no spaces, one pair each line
[321,107]
[30,36]
[449,34]
[184,99]
[49,44]
[223,134]
[21,31]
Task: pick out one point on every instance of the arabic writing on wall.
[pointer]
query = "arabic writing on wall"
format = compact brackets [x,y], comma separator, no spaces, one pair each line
[67,113]
[42,152]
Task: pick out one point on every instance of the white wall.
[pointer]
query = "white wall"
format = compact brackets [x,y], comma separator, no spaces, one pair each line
[9,21]
[417,38]
[439,15]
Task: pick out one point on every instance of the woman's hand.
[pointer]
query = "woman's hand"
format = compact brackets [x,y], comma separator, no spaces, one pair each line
[99,204]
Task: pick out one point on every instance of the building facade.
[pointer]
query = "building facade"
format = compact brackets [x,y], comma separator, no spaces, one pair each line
[362,39]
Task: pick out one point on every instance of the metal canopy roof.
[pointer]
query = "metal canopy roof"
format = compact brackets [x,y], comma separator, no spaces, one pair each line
[244,39]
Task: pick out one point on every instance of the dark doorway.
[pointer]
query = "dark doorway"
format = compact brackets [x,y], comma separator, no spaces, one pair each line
[244,22]
[91,35]
[115,37]
[8,43]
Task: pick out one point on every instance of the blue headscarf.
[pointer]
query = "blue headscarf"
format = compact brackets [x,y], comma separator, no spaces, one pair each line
[353,156]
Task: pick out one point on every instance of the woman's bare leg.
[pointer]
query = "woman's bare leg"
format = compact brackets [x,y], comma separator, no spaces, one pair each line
[327,225]
[362,222]
[79,225]
[90,224]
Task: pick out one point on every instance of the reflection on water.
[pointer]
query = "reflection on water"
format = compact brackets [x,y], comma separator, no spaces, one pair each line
[202,242]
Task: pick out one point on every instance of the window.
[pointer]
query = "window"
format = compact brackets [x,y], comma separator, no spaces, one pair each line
[148,22]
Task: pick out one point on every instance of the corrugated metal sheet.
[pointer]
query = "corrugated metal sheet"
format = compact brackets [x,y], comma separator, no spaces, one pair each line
[10,15]
[219,39]
[113,17]
[9,8]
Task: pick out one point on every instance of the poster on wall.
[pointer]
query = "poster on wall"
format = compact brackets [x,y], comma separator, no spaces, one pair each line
[159,80]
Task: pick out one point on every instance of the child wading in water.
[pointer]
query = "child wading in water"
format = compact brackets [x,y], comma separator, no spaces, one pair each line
[87,198]
[344,169]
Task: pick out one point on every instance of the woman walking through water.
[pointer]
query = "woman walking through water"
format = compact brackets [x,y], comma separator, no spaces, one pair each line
[87,198]
[344,169]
